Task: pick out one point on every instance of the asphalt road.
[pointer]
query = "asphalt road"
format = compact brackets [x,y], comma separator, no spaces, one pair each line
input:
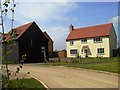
[63,77]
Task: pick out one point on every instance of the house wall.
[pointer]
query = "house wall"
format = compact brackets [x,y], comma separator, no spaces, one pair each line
[113,41]
[92,47]
[12,56]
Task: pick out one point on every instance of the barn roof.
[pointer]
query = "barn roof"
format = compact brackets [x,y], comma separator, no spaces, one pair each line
[18,31]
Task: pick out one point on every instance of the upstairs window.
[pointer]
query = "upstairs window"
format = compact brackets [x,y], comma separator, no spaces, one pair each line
[100,51]
[71,42]
[97,39]
[74,51]
[84,40]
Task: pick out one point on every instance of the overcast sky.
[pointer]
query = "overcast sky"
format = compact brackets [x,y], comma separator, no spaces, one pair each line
[55,17]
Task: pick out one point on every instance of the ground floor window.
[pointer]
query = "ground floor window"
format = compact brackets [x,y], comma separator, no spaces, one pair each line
[100,51]
[73,51]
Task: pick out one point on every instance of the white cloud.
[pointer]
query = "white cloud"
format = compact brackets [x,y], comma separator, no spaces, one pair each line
[44,14]
[67,0]
[115,20]
[43,11]
[58,34]
[45,0]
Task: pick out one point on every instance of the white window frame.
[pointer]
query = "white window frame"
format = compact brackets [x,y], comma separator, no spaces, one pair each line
[84,40]
[97,39]
[100,51]
[73,51]
[71,43]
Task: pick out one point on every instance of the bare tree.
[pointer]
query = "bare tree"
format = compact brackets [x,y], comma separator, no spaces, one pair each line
[4,4]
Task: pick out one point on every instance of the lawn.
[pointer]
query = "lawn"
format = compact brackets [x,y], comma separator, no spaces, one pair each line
[22,84]
[103,64]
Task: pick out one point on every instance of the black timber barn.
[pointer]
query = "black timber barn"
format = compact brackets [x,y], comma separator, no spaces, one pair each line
[29,41]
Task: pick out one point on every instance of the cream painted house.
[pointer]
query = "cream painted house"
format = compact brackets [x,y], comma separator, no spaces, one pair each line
[93,41]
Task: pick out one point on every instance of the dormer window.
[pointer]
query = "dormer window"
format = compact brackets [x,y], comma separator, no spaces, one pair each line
[84,40]
[98,39]
[71,42]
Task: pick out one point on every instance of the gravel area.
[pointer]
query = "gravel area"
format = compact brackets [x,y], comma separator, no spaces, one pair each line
[64,77]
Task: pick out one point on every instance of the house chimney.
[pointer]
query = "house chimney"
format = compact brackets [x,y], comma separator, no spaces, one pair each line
[71,28]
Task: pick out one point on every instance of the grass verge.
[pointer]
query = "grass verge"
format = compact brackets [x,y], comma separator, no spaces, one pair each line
[22,84]
[103,64]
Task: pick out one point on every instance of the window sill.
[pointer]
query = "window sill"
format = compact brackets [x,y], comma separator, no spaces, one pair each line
[73,54]
[101,54]
[98,42]
[83,42]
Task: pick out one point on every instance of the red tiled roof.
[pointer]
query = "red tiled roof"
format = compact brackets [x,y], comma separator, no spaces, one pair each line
[19,31]
[89,32]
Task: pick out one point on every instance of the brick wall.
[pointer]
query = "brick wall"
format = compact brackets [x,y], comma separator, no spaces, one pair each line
[62,54]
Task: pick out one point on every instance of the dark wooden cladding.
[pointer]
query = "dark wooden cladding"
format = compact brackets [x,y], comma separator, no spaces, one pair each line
[30,43]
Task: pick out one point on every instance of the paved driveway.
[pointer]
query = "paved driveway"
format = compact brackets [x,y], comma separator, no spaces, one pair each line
[63,77]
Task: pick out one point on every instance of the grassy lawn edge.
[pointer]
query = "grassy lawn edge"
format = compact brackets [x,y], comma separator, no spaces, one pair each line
[105,64]
[22,84]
